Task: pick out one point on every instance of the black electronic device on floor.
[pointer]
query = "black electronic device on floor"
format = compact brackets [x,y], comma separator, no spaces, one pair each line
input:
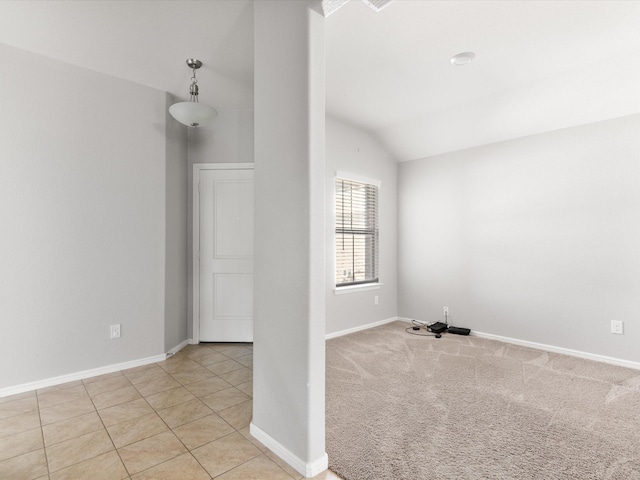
[458,330]
[437,327]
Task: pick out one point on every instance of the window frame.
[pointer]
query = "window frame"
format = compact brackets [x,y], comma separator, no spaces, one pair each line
[362,286]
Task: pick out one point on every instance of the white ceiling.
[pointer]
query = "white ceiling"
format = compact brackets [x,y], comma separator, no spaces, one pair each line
[540,65]
[147,42]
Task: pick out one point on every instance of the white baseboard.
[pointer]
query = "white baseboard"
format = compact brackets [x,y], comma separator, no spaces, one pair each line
[72,377]
[179,347]
[566,351]
[360,328]
[94,372]
[552,348]
[308,469]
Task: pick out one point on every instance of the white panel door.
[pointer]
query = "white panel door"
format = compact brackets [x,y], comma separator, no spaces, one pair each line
[226,256]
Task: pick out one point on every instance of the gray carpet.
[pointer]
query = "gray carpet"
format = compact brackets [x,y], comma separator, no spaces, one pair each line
[418,408]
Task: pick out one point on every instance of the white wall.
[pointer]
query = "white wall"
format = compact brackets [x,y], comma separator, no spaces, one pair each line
[82,208]
[534,238]
[352,150]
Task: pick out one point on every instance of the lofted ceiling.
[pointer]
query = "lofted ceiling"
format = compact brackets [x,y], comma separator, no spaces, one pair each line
[539,66]
[147,42]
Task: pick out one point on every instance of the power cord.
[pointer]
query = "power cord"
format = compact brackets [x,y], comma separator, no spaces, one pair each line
[417,326]
[408,330]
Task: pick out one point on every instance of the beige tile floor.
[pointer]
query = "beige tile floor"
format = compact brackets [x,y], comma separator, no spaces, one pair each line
[183,418]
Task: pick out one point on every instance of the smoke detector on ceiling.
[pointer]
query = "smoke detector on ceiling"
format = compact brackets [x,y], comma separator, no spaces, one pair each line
[462,59]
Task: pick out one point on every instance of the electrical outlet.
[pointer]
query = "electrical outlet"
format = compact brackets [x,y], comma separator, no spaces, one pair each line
[445,311]
[375,300]
[617,326]
[115,331]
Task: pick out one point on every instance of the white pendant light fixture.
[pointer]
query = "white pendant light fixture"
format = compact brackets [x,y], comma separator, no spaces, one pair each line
[193,113]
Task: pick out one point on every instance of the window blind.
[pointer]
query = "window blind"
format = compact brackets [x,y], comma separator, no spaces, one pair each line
[356,232]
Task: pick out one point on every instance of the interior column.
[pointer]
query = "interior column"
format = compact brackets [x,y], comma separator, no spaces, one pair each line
[289,356]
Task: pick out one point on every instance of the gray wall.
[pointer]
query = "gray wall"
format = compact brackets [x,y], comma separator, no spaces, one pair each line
[175,287]
[351,150]
[83,215]
[289,227]
[534,239]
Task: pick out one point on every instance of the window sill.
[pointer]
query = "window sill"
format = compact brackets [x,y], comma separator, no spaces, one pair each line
[357,288]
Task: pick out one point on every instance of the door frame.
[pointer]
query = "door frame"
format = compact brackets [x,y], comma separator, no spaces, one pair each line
[197,168]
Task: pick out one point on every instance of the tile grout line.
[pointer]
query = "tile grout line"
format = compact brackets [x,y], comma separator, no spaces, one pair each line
[261,454]
[76,416]
[155,412]
[215,413]
[162,419]
[44,447]
[170,429]
[182,384]
[19,433]
[167,425]
[109,434]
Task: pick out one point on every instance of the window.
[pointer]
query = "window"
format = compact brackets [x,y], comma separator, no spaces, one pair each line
[356,232]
